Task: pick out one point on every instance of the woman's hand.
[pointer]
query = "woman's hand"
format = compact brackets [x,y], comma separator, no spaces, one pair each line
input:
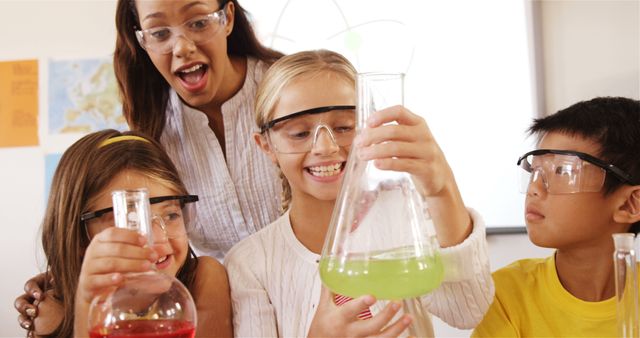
[26,303]
[40,312]
[332,320]
[409,146]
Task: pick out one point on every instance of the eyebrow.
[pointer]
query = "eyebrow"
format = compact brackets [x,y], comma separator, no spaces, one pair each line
[181,10]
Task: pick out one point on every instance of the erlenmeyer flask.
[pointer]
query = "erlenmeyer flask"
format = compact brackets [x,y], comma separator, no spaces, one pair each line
[626,282]
[148,304]
[380,240]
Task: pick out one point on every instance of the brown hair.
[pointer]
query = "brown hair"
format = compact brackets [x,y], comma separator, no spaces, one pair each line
[84,170]
[143,90]
[286,70]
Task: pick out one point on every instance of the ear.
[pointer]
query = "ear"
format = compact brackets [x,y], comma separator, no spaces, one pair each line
[262,142]
[629,211]
[230,9]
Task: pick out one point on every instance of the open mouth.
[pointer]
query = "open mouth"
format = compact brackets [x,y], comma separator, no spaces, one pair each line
[192,75]
[162,260]
[326,170]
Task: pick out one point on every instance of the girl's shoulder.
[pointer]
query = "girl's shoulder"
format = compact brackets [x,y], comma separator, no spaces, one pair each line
[211,296]
[211,281]
[209,269]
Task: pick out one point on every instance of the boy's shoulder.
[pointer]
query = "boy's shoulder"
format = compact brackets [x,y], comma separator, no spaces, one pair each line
[521,272]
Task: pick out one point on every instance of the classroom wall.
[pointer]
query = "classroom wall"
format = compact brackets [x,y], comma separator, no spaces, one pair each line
[588,48]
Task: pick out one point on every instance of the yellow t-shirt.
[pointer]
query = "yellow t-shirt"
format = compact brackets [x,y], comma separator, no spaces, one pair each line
[531,302]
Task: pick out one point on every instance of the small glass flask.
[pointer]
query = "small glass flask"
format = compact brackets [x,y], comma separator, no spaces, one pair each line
[381,240]
[626,281]
[148,304]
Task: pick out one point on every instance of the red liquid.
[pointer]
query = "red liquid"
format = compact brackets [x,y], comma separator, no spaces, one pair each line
[146,329]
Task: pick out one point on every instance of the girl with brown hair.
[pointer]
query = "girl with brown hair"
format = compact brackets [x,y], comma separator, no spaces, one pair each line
[85,253]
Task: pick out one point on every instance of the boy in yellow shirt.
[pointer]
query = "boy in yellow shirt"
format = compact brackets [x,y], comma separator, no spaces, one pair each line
[582,186]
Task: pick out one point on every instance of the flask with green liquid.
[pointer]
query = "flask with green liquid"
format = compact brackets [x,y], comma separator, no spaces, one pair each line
[381,240]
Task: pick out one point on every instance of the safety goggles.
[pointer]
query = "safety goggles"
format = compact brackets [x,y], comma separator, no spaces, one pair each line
[199,30]
[299,132]
[566,172]
[171,215]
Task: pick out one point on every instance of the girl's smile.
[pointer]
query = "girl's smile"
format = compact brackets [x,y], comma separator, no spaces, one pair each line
[172,252]
[326,172]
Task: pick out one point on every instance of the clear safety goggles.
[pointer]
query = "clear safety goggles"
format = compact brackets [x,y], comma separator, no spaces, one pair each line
[199,30]
[171,215]
[299,132]
[566,172]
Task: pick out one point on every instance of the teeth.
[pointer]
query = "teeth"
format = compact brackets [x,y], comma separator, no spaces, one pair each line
[161,260]
[192,69]
[323,171]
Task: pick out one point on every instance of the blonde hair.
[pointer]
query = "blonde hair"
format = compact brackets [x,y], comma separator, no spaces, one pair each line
[285,71]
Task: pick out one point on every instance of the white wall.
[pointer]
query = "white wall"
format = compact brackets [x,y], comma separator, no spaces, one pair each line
[38,30]
[590,48]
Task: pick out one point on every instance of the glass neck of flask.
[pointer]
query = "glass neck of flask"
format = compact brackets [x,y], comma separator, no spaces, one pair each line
[132,211]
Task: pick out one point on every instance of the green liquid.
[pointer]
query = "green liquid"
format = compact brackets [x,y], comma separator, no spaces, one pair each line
[390,279]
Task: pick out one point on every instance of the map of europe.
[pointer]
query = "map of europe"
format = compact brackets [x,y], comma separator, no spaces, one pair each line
[83,97]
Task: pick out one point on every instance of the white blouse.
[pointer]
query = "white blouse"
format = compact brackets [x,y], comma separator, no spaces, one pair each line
[239,195]
[275,283]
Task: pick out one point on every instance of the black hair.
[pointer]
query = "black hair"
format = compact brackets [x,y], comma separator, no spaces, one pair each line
[612,122]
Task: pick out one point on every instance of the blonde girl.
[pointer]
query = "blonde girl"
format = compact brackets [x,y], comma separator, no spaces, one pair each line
[306,115]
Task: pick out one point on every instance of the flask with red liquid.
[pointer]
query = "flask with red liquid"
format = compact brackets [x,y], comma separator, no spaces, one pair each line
[148,304]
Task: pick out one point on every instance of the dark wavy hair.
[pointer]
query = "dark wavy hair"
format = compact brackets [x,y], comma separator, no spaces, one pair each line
[85,169]
[612,122]
[143,90]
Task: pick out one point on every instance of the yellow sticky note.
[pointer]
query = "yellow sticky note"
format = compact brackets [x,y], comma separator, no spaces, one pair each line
[19,103]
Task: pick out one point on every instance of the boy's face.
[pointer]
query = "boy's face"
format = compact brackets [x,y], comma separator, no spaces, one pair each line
[569,220]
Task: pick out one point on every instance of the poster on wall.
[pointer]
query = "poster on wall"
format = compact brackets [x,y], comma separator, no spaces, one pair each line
[19,103]
[83,97]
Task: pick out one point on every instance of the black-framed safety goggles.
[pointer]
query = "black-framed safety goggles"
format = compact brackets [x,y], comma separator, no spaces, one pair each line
[567,171]
[183,199]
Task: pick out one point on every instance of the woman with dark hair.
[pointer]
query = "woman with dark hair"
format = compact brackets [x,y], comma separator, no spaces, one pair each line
[188,72]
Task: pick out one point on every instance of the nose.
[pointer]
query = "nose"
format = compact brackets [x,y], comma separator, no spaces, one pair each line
[324,142]
[537,184]
[183,46]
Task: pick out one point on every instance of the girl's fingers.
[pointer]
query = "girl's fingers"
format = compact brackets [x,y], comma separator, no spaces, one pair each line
[117,235]
[373,326]
[398,114]
[396,328]
[400,150]
[391,132]
[326,297]
[100,282]
[120,250]
[414,167]
[106,265]
[352,308]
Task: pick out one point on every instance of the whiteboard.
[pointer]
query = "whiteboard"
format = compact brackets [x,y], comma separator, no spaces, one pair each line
[468,70]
